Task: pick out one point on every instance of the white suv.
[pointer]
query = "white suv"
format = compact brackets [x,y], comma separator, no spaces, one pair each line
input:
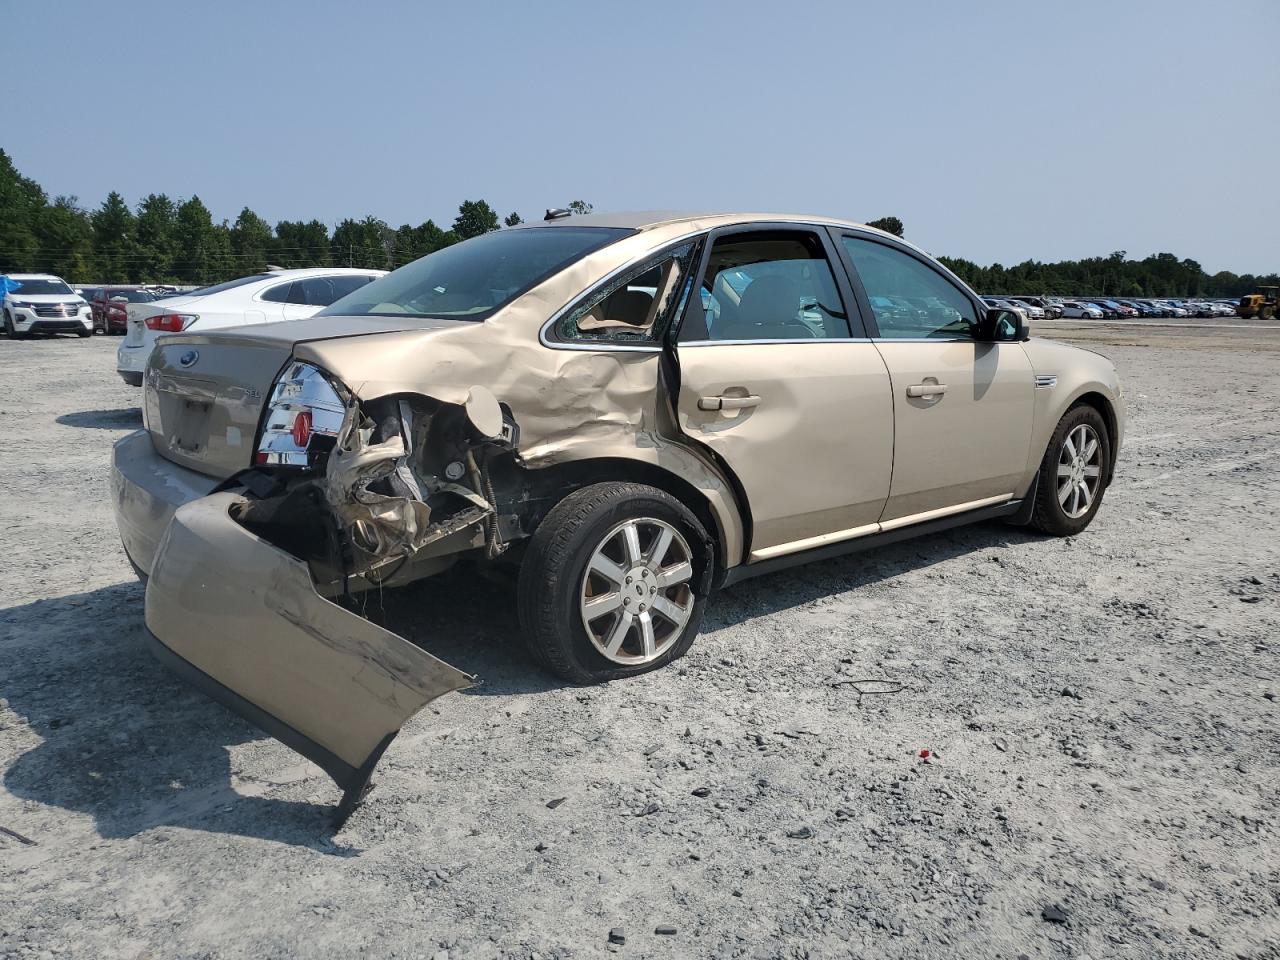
[261,298]
[43,303]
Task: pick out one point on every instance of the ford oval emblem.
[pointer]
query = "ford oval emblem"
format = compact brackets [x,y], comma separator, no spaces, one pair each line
[189,358]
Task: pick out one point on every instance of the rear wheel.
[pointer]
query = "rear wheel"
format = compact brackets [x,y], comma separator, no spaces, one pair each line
[613,583]
[1073,474]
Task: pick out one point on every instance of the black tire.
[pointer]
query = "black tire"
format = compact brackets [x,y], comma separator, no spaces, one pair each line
[1049,515]
[10,332]
[83,334]
[555,562]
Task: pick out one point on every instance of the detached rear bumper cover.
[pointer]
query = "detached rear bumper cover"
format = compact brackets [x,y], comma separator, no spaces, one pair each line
[241,620]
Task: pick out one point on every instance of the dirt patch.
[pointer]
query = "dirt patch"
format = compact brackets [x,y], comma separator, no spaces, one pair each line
[1099,713]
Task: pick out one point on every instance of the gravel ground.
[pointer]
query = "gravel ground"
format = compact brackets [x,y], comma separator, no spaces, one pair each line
[1100,713]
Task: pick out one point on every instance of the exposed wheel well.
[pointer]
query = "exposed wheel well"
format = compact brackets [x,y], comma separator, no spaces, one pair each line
[1103,406]
[549,485]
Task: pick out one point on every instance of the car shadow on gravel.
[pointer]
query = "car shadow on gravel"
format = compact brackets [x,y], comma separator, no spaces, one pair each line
[125,741]
[121,419]
[137,749]
[814,581]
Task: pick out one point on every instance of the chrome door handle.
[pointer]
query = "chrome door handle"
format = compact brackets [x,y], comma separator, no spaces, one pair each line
[927,390]
[727,403]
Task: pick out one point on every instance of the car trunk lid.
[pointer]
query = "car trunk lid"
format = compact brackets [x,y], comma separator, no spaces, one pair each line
[204,393]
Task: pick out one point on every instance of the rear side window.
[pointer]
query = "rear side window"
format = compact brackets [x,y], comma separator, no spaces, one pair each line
[910,300]
[278,293]
[635,306]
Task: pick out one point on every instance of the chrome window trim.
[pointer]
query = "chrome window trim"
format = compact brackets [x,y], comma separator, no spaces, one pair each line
[604,346]
[934,340]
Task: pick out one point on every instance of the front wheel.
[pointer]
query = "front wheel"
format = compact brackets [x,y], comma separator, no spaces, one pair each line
[1073,474]
[613,583]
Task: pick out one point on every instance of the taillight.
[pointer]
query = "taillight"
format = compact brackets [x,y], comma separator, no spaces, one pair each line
[170,322]
[301,431]
[303,418]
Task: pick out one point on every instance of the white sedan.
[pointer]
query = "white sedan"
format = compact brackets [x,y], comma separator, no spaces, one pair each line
[1076,309]
[262,298]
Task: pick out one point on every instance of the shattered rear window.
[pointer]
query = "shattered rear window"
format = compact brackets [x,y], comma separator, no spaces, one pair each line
[473,279]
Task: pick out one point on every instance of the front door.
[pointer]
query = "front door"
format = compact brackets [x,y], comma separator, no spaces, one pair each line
[962,406]
[773,380]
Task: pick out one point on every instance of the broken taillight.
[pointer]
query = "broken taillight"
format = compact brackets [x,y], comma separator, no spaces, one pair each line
[170,322]
[303,418]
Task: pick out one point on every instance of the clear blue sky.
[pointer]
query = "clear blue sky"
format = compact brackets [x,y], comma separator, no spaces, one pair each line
[995,130]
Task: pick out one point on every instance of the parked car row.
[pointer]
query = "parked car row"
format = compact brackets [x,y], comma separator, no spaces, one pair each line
[1099,308]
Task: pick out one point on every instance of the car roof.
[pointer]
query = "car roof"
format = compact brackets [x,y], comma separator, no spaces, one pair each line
[33,276]
[312,271]
[648,219]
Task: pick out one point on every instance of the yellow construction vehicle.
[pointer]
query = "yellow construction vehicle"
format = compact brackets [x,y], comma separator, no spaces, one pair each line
[1265,304]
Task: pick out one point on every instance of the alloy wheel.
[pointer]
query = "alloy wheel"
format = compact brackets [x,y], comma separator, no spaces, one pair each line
[636,596]
[1079,471]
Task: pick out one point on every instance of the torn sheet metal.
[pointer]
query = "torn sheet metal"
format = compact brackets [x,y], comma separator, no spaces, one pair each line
[384,528]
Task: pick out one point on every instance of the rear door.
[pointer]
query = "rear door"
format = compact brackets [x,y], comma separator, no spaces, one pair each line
[778,378]
[962,406]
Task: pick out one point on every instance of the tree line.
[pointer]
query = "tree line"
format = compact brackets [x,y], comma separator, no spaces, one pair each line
[163,240]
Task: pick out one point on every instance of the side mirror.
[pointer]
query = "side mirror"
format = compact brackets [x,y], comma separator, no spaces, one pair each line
[1003,326]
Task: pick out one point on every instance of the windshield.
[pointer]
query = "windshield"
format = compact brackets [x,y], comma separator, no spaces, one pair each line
[471,280]
[37,288]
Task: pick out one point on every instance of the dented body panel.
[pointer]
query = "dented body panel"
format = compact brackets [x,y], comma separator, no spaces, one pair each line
[246,614]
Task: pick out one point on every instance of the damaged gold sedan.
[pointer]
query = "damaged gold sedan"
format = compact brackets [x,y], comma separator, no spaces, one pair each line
[626,412]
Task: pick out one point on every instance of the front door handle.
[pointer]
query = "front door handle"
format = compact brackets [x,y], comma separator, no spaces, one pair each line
[727,403]
[927,390]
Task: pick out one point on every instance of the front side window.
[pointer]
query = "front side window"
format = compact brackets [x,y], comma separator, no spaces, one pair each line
[910,300]
[473,279]
[635,306]
[768,286]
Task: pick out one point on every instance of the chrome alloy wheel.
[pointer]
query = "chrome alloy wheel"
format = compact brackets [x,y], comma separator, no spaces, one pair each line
[636,596]
[1079,471]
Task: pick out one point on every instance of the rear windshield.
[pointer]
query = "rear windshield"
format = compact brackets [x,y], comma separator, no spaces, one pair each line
[39,288]
[471,280]
[229,285]
[133,296]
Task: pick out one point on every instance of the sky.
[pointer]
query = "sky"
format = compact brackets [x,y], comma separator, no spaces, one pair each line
[997,131]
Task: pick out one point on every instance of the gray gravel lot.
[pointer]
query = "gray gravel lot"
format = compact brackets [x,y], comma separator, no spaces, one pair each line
[1100,711]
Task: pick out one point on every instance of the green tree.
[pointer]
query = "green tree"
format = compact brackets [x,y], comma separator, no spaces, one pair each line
[474,218]
[250,241]
[113,239]
[580,207]
[156,244]
[513,220]
[360,243]
[301,244]
[21,201]
[200,250]
[65,238]
[888,225]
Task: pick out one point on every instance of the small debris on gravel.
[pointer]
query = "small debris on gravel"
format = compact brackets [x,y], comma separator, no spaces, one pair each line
[617,935]
[1054,914]
[665,930]
[701,791]
[801,833]
[552,804]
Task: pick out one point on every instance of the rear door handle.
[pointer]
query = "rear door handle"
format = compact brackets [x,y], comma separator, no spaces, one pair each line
[727,403]
[927,390]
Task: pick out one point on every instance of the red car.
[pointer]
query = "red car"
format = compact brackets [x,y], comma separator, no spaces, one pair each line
[108,305]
